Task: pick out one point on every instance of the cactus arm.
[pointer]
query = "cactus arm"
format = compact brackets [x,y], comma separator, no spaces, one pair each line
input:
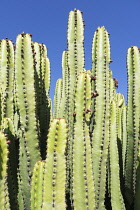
[124,137]
[64,98]
[25,73]
[100,111]
[42,87]
[20,197]
[4,195]
[82,173]
[133,113]
[57,98]
[37,185]
[24,171]
[55,166]
[137,195]
[25,91]
[116,196]
[8,130]
[6,78]
[75,39]
[46,73]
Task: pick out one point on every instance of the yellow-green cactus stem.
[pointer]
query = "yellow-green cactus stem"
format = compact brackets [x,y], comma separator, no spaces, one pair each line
[9,131]
[57,98]
[54,185]
[133,113]
[7,78]
[37,185]
[25,72]
[4,195]
[137,195]
[83,195]
[117,201]
[124,137]
[64,97]
[42,87]
[99,128]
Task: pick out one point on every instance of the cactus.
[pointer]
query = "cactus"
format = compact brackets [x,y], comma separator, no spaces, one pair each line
[82,170]
[7,78]
[49,177]
[133,113]
[99,127]
[4,198]
[9,131]
[84,155]
[117,201]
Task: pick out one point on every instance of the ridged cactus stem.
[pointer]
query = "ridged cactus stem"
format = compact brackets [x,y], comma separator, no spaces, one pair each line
[83,194]
[133,113]
[64,97]
[137,195]
[37,185]
[54,183]
[9,132]
[99,128]
[42,87]
[57,98]
[7,78]
[124,137]
[116,195]
[29,152]
[75,42]
[4,195]
[25,92]
[75,39]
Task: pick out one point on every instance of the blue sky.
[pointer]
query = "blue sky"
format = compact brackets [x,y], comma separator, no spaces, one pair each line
[47,21]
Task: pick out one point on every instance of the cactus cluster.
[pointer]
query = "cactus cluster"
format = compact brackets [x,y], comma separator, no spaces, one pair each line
[83,155]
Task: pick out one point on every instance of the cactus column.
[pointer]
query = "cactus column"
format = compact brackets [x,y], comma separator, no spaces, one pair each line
[99,127]
[49,177]
[133,113]
[83,194]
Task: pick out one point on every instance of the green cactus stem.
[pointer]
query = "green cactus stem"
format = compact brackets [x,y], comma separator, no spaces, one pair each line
[124,137]
[57,98]
[137,195]
[25,73]
[64,97]
[99,128]
[75,40]
[37,185]
[6,78]
[42,87]
[133,113]
[83,195]
[117,201]
[4,195]
[12,141]
[54,169]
